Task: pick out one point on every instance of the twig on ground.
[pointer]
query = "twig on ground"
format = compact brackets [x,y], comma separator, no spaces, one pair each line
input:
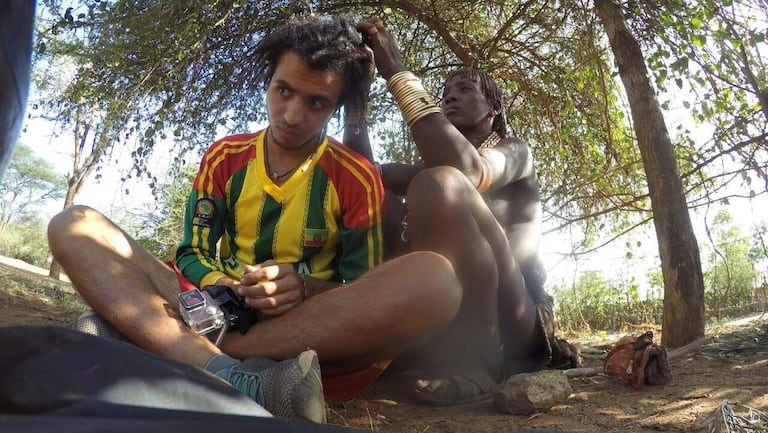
[591,350]
[688,348]
[593,356]
[725,420]
[583,371]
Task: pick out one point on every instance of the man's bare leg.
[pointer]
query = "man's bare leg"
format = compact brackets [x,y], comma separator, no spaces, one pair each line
[395,306]
[125,284]
[137,294]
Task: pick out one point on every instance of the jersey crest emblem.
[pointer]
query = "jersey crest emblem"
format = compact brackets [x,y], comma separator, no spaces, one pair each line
[205,210]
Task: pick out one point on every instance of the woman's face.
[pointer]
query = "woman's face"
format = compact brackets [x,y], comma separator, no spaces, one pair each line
[464,104]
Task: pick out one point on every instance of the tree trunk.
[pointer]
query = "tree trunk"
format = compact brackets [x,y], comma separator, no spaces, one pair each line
[55,270]
[82,166]
[683,318]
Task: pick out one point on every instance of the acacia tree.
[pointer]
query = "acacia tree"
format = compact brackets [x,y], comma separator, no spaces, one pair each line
[714,51]
[28,183]
[91,123]
[758,249]
[182,69]
[731,277]
[683,319]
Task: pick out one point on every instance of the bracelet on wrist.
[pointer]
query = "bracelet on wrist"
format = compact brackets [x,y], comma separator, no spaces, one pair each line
[414,101]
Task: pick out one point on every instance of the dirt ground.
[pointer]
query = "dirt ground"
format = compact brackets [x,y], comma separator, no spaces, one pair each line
[732,366]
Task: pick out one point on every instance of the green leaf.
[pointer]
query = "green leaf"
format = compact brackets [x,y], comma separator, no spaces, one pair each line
[680,65]
[695,23]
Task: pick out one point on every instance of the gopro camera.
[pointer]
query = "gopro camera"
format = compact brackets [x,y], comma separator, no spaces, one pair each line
[201,313]
[237,314]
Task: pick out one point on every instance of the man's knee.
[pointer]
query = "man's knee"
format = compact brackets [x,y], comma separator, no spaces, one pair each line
[438,187]
[75,220]
[438,282]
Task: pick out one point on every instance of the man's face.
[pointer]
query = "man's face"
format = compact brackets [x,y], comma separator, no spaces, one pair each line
[300,101]
[464,104]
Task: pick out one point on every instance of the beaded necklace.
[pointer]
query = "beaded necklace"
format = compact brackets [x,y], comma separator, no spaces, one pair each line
[490,141]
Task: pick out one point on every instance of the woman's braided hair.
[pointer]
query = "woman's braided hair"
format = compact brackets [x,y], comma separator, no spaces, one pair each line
[491,92]
[325,44]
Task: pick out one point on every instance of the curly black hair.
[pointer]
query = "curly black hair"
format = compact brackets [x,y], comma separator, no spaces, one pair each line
[325,44]
[492,93]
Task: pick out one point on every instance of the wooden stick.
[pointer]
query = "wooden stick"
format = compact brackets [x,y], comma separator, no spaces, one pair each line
[583,371]
[688,348]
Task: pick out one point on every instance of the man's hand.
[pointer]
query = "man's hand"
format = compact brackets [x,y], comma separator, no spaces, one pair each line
[226,281]
[270,287]
[386,52]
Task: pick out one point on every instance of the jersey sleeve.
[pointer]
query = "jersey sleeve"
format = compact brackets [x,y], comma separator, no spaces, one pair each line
[207,211]
[203,225]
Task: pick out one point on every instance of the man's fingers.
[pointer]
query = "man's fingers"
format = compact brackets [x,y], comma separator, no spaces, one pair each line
[264,271]
[276,304]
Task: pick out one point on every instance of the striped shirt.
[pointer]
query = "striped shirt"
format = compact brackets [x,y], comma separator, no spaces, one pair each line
[325,218]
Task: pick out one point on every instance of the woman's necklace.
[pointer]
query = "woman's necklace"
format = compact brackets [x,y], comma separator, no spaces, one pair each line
[490,141]
[274,175]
